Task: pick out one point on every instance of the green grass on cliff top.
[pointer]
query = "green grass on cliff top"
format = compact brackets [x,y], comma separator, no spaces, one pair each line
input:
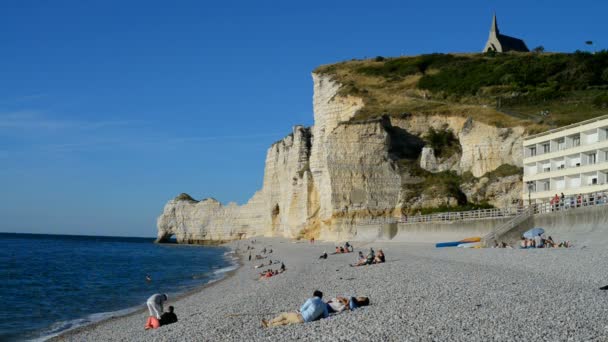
[539,91]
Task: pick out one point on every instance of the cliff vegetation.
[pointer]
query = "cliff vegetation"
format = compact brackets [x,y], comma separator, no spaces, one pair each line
[538,90]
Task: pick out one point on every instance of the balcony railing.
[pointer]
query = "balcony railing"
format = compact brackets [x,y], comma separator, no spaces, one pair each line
[568,203]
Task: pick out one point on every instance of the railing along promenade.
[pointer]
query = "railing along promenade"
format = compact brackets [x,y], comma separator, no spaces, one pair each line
[553,206]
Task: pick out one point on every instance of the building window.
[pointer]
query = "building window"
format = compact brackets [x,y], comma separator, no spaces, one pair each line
[576,141]
[592,158]
[533,151]
[546,186]
[546,148]
[561,144]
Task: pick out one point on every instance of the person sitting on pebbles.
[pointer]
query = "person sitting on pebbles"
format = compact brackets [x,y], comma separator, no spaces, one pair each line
[361,260]
[380,258]
[314,308]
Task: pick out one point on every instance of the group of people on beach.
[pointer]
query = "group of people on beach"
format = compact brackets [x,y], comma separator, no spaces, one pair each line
[540,241]
[315,308]
[502,244]
[371,258]
[270,273]
[157,316]
[347,248]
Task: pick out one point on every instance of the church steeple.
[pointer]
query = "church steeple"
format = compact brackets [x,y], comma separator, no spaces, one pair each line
[494,27]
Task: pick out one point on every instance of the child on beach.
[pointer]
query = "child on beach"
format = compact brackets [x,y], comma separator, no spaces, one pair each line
[152,323]
[313,309]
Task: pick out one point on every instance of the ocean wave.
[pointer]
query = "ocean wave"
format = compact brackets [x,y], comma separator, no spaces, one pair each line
[62,327]
[226,269]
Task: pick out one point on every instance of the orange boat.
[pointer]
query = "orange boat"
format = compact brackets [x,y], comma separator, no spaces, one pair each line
[471,239]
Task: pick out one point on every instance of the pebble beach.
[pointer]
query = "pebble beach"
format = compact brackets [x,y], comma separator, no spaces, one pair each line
[420,294]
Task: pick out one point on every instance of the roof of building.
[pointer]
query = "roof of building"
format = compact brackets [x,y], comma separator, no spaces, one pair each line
[512,44]
[563,128]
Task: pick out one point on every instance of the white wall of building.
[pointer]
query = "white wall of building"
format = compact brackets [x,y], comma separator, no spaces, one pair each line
[572,160]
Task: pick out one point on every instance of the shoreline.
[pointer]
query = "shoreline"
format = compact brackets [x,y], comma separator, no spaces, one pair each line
[420,293]
[138,310]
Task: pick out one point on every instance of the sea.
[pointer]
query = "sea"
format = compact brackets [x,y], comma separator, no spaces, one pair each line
[54,283]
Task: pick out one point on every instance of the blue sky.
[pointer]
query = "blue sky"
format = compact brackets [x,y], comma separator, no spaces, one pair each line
[110,108]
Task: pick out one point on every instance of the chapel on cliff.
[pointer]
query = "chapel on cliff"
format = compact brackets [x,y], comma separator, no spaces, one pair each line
[502,43]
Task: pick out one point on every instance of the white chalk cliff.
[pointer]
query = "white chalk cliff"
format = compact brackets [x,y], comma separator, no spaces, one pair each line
[325,180]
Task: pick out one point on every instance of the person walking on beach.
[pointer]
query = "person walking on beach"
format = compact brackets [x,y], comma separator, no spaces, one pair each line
[313,309]
[155,304]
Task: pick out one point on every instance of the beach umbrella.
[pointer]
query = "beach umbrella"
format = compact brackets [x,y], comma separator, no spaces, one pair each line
[533,232]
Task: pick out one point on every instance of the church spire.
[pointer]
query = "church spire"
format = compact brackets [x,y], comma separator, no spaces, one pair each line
[494,27]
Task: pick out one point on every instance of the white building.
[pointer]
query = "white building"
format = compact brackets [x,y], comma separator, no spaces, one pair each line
[571,160]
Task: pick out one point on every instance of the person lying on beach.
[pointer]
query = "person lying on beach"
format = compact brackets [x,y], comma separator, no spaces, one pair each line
[337,251]
[314,308]
[339,304]
[155,304]
[324,255]
[283,268]
[270,273]
[168,317]
[348,247]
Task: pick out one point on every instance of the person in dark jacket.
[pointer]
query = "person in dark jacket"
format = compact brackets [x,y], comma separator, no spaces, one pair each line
[168,317]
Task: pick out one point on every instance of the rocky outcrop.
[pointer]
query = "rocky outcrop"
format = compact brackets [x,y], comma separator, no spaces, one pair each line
[500,192]
[327,180]
[429,162]
[484,147]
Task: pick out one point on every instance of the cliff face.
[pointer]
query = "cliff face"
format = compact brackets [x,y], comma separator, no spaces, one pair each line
[325,180]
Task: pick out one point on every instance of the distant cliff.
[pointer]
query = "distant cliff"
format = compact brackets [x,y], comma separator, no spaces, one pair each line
[324,180]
